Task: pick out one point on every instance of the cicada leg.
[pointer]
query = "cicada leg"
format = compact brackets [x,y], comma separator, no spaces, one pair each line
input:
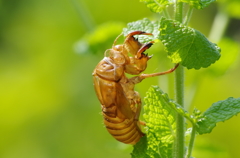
[142,123]
[138,79]
[143,76]
[139,105]
[139,122]
[142,49]
[134,99]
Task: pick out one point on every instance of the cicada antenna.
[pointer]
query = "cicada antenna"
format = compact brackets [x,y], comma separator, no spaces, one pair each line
[115,41]
[105,53]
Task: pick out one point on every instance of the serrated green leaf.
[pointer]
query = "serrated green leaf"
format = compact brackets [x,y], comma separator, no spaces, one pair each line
[218,112]
[187,45]
[160,120]
[157,6]
[198,4]
[143,25]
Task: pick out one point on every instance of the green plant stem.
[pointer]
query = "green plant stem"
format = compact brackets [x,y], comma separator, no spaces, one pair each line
[179,11]
[180,129]
[189,15]
[192,139]
[179,143]
[165,12]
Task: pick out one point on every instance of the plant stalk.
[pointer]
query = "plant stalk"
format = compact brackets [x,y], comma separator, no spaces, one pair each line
[179,143]
[191,143]
[180,122]
[165,12]
[189,15]
[179,11]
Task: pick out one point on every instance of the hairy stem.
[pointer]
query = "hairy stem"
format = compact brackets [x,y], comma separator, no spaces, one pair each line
[179,90]
[179,11]
[166,14]
[191,143]
[189,15]
[179,143]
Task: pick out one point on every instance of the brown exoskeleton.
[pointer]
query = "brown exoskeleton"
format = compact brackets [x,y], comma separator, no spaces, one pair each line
[121,105]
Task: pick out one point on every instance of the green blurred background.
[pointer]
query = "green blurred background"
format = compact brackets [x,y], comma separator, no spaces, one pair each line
[48,50]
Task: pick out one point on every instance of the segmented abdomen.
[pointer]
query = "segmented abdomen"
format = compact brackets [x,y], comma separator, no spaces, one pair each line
[123,130]
[117,114]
